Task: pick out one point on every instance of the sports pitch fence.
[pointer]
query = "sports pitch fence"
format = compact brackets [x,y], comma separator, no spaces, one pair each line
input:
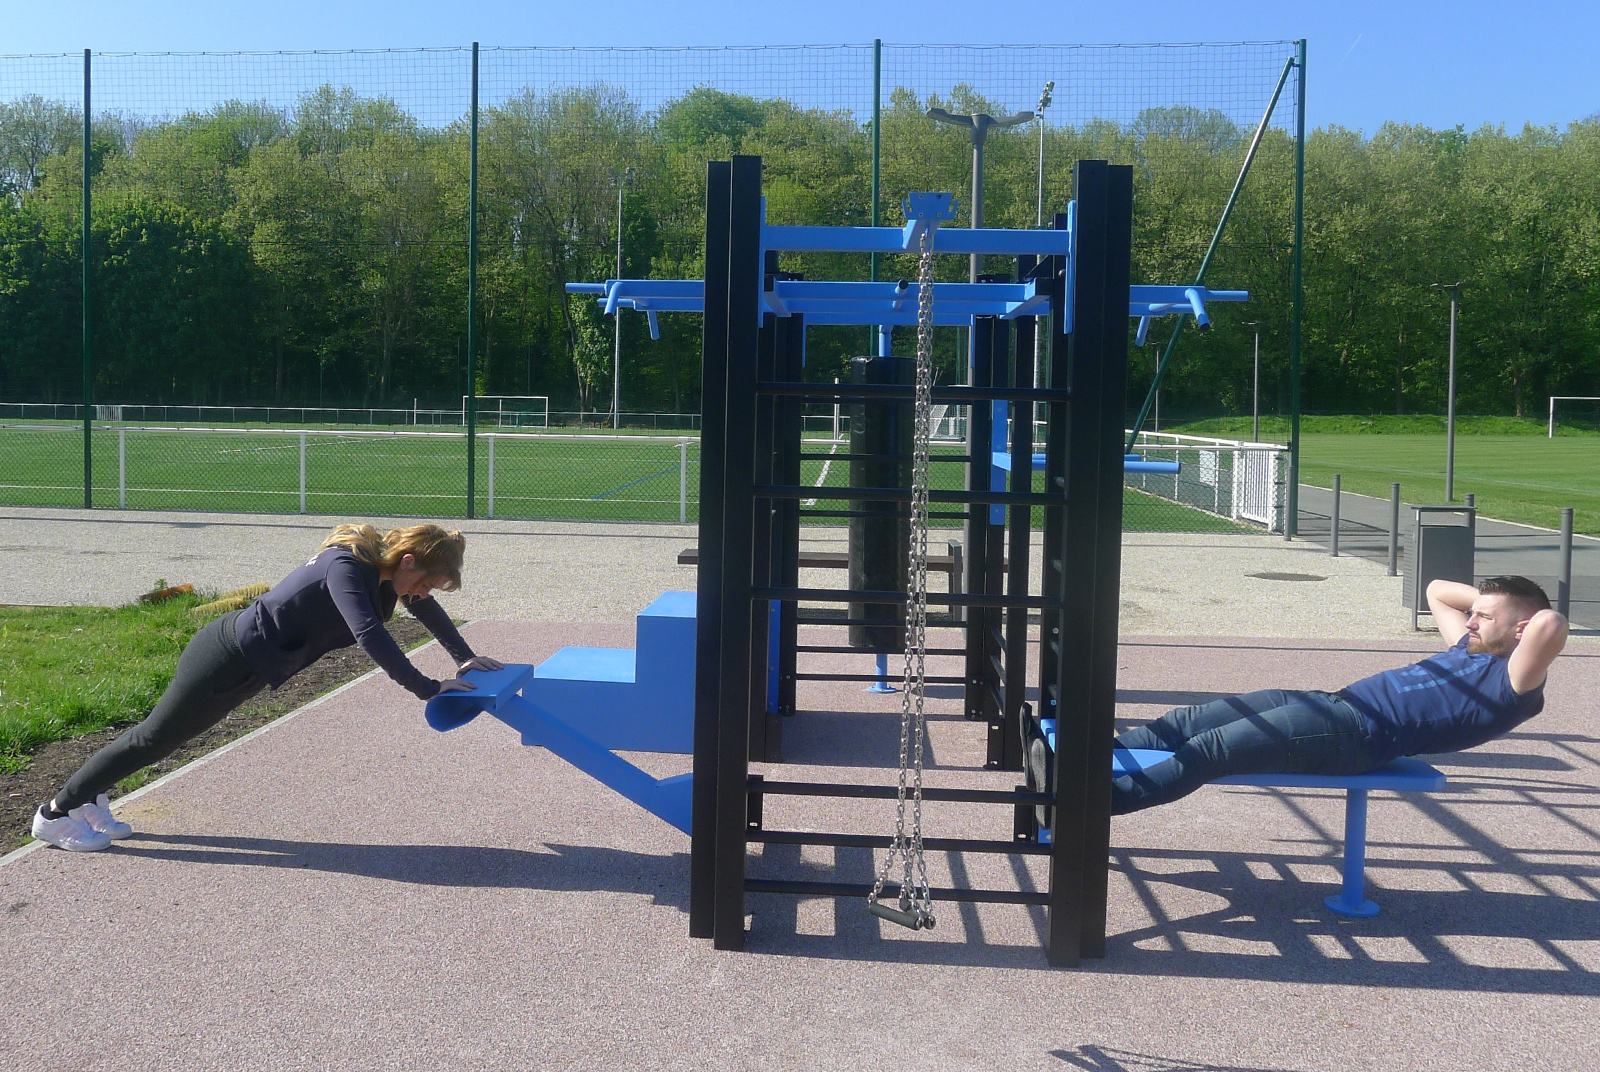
[535,476]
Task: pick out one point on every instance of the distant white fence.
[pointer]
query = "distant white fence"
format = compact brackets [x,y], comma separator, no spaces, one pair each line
[1235,479]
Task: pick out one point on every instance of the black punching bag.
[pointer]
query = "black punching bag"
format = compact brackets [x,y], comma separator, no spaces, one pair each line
[879,555]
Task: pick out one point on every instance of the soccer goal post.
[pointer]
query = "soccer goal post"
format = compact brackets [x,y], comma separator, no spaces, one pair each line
[1593,400]
[510,411]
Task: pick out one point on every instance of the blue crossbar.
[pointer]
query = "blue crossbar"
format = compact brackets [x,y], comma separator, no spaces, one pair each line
[499,693]
[1404,775]
[1132,463]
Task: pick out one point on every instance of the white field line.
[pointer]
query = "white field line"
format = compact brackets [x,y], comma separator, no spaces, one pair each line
[823,479]
[195,764]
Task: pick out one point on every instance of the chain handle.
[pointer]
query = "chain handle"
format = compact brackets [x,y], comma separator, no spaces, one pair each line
[915,909]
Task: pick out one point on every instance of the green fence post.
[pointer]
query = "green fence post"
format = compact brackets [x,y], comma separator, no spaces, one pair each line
[88,358]
[1292,527]
[472,295]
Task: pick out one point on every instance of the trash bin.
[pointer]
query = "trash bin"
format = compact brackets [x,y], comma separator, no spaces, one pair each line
[1444,545]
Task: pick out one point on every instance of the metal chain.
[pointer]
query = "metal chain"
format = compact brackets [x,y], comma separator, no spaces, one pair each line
[916,903]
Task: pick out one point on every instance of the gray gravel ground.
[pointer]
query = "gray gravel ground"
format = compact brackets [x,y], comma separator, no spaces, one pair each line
[349,890]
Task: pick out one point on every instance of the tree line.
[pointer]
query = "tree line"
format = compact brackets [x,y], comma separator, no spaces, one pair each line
[317,255]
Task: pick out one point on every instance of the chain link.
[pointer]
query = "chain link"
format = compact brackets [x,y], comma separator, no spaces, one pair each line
[915,900]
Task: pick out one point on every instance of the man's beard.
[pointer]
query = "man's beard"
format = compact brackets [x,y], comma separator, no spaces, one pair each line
[1477,646]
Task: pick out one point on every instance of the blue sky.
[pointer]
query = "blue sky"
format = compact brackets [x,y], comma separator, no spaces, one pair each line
[1469,62]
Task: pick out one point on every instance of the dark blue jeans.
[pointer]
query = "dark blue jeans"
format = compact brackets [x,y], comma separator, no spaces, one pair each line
[1267,732]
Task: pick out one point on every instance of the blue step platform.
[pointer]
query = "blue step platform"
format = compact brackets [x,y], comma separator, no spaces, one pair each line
[1402,775]
[581,703]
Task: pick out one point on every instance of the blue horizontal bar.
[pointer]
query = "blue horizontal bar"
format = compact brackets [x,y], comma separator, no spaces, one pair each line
[997,240]
[1132,463]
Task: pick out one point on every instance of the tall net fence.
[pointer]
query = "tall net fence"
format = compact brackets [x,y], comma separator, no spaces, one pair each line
[285,236]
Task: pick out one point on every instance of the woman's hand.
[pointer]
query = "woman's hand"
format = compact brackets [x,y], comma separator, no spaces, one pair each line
[455,684]
[480,662]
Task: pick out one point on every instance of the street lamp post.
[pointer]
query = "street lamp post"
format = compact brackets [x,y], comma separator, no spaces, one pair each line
[1454,290]
[1255,389]
[622,179]
[979,124]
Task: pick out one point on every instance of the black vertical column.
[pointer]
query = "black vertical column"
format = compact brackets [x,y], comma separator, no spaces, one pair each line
[980,424]
[1105,546]
[761,533]
[1088,549]
[1019,544]
[708,584]
[791,355]
[1053,373]
[739,609]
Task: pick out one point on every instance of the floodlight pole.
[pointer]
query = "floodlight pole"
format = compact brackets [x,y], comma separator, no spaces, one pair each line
[1454,290]
[623,179]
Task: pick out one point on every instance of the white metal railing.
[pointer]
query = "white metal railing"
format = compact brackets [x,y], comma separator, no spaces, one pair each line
[1240,480]
[302,437]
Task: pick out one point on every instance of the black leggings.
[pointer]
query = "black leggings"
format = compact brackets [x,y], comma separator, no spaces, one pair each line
[212,679]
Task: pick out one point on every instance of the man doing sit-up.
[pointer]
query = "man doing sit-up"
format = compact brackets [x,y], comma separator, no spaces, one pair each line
[1502,638]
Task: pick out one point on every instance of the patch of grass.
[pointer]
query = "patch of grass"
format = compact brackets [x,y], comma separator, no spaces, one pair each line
[67,671]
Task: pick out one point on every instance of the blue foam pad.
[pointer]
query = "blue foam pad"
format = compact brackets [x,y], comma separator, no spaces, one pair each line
[447,710]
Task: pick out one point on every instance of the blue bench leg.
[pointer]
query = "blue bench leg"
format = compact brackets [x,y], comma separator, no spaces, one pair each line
[1351,898]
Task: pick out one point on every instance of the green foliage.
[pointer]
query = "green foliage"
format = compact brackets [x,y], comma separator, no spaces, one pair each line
[316,254]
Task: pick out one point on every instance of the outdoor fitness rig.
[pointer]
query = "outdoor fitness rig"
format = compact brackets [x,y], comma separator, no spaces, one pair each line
[1077,275]
[739,630]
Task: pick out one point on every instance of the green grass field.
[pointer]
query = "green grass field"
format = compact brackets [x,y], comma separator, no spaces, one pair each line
[1514,471]
[585,478]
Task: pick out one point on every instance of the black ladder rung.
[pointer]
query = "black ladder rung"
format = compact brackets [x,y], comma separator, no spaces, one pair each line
[933,515]
[953,599]
[891,891]
[883,841]
[822,619]
[897,495]
[763,787]
[894,392]
[928,679]
[845,649]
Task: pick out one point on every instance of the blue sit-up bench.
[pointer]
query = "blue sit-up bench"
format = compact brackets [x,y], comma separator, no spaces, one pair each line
[1401,775]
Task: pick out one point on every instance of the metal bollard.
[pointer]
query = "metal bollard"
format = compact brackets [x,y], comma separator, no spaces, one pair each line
[1394,529]
[1564,580]
[1334,528]
[1471,501]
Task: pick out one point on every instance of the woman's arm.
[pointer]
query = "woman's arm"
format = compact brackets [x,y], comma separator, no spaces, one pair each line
[350,596]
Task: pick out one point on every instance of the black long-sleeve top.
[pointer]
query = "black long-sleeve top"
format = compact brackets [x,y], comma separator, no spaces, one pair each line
[333,601]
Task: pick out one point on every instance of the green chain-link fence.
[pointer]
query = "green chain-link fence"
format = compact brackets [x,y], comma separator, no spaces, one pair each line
[286,236]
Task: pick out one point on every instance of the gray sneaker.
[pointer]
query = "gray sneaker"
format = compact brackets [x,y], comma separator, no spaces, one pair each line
[70,832]
[98,816]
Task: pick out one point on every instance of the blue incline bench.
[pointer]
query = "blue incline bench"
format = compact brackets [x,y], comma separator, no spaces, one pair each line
[1402,775]
[581,703]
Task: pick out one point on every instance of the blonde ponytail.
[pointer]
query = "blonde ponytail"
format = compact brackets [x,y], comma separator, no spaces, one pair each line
[436,552]
[362,541]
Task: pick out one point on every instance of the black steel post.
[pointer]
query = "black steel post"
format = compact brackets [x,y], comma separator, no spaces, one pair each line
[1111,361]
[980,426]
[1053,373]
[1564,578]
[88,349]
[1333,522]
[762,564]
[739,608]
[708,584]
[791,340]
[1394,529]
[1019,541]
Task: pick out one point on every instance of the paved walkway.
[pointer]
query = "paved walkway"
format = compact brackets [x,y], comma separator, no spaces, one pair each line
[349,890]
[1503,547]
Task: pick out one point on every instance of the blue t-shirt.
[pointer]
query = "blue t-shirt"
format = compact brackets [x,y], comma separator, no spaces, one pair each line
[1444,703]
[333,601]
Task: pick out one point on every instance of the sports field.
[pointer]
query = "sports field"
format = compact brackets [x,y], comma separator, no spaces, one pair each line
[1515,478]
[387,473]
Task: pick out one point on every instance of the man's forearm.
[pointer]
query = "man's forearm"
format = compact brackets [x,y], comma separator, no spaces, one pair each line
[1452,594]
